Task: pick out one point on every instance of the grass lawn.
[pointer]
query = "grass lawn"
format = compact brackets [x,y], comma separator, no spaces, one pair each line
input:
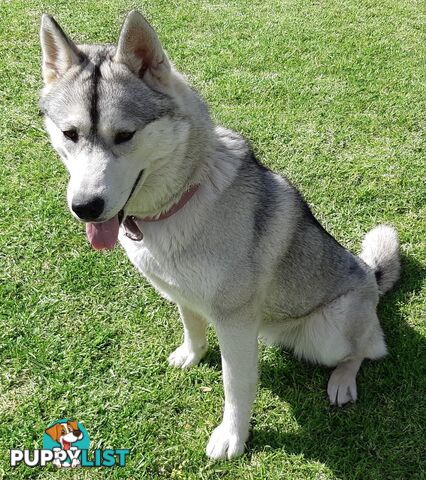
[330,93]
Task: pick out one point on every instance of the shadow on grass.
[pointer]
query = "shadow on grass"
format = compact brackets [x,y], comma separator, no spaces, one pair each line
[381,435]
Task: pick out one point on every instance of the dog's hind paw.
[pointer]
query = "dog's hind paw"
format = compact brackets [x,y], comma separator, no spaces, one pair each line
[341,389]
[224,443]
[185,357]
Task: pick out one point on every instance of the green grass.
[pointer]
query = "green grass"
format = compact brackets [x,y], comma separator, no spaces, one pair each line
[330,93]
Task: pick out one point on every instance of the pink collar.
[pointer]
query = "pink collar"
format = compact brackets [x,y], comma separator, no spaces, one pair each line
[176,207]
[131,227]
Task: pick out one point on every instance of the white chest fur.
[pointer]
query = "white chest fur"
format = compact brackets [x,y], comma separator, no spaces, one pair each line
[175,275]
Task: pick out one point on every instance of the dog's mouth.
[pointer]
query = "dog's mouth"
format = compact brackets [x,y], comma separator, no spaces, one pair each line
[104,235]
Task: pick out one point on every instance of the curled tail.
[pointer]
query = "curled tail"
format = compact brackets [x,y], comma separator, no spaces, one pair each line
[380,250]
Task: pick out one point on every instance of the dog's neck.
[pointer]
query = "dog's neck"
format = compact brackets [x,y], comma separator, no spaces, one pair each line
[152,203]
[164,187]
[131,223]
[213,165]
[214,174]
[186,196]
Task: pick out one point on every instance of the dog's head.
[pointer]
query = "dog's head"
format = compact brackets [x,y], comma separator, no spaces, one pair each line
[65,433]
[119,116]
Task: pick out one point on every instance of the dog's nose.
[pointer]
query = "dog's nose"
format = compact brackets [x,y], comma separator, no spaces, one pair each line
[77,433]
[88,210]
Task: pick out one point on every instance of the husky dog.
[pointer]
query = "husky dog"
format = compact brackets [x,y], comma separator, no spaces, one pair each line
[232,243]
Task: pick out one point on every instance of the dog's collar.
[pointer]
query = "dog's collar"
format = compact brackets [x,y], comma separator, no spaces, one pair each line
[175,207]
[132,229]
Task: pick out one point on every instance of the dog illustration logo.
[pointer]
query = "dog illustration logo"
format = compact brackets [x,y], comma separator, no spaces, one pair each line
[65,433]
[69,436]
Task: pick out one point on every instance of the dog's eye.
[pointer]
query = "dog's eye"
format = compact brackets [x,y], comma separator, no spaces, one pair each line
[122,137]
[71,135]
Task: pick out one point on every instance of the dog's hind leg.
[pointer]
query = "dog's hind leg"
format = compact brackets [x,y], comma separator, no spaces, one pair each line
[342,384]
[363,332]
[194,345]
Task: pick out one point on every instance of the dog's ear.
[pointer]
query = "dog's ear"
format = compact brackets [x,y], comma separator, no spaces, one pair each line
[55,432]
[73,424]
[59,51]
[140,49]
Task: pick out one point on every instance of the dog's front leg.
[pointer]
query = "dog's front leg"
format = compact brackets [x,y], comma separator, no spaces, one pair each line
[194,344]
[239,351]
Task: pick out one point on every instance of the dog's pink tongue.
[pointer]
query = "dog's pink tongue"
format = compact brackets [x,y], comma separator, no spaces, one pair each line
[103,235]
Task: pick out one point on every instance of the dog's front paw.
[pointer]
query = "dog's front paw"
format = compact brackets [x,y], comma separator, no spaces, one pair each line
[225,443]
[186,357]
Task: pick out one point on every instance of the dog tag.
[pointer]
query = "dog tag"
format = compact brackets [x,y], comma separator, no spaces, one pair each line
[132,230]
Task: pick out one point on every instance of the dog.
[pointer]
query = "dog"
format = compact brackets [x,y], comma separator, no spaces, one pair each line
[230,242]
[65,433]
